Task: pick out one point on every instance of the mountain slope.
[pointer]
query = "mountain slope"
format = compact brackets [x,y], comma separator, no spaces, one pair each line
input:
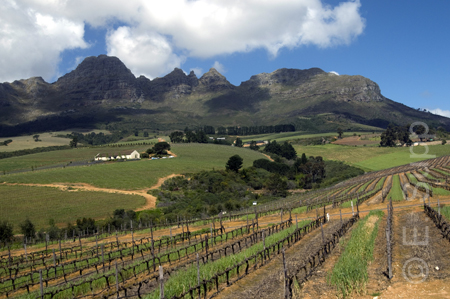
[103,90]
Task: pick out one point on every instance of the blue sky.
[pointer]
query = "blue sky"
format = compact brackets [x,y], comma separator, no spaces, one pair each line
[401,45]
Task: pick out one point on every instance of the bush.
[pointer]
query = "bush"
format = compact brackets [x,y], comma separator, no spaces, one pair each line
[6,232]
[234,163]
[27,229]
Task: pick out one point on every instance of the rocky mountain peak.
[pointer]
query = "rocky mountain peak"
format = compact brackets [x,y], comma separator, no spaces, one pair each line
[282,76]
[99,78]
[215,81]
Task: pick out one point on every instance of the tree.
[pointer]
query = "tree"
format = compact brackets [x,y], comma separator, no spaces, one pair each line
[145,134]
[161,148]
[234,163]
[444,142]
[239,142]
[6,232]
[176,137]
[304,159]
[253,145]
[288,151]
[201,137]
[191,137]
[36,137]
[136,132]
[340,132]
[74,142]
[276,185]
[27,229]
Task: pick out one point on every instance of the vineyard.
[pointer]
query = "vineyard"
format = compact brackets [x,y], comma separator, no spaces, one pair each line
[314,244]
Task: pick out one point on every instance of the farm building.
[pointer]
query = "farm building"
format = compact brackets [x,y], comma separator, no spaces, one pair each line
[122,155]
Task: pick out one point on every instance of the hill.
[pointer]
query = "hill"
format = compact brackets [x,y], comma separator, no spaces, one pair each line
[102,91]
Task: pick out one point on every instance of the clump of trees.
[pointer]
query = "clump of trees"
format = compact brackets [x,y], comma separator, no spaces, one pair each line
[395,134]
[96,138]
[285,150]
[6,142]
[6,232]
[158,150]
[189,136]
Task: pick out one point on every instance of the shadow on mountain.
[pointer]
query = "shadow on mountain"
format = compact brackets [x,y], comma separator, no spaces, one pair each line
[56,123]
[239,100]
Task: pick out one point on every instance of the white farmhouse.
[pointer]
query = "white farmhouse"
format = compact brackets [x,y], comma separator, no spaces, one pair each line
[122,155]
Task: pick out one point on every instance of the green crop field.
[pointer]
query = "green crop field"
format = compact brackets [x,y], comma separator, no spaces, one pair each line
[136,174]
[372,158]
[45,139]
[59,156]
[40,204]
[279,137]
[27,142]
[396,191]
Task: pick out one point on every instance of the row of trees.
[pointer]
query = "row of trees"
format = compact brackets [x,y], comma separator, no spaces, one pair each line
[244,130]
[96,138]
[188,137]
[120,219]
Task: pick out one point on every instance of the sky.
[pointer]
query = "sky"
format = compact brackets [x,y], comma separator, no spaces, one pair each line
[401,45]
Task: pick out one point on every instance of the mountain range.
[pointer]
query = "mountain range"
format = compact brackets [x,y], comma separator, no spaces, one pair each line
[103,92]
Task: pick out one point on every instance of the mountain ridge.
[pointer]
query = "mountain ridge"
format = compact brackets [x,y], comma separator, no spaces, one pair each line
[104,90]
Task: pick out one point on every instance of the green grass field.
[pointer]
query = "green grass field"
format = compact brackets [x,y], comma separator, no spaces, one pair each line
[46,139]
[436,191]
[371,158]
[396,191]
[134,175]
[40,204]
[279,137]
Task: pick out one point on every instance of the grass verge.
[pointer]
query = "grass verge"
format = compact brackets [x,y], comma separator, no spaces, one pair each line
[350,272]
[183,280]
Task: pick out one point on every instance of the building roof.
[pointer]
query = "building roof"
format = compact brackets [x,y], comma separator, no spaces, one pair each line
[115,153]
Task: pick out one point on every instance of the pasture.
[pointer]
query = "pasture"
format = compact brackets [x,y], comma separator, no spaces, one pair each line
[45,139]
[132,175]
[40,204]
[27,142]
[284,136]
[372,158]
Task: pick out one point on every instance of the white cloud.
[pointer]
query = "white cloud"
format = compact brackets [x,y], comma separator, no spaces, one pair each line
[147,53]
[197,71]
[219,67]
[439,111]
[157,35]
[334,73]
[31,41]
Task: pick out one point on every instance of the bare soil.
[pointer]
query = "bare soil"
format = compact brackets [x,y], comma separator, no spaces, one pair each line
[150,200]
[267,282]
[354,140]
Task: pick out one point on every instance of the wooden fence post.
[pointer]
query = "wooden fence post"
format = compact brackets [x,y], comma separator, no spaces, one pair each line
[161,282]
[25,248]
[353,212]
[117,280]
[103,257]
[41,284]
[198,271]
[323,236]
[286,285]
